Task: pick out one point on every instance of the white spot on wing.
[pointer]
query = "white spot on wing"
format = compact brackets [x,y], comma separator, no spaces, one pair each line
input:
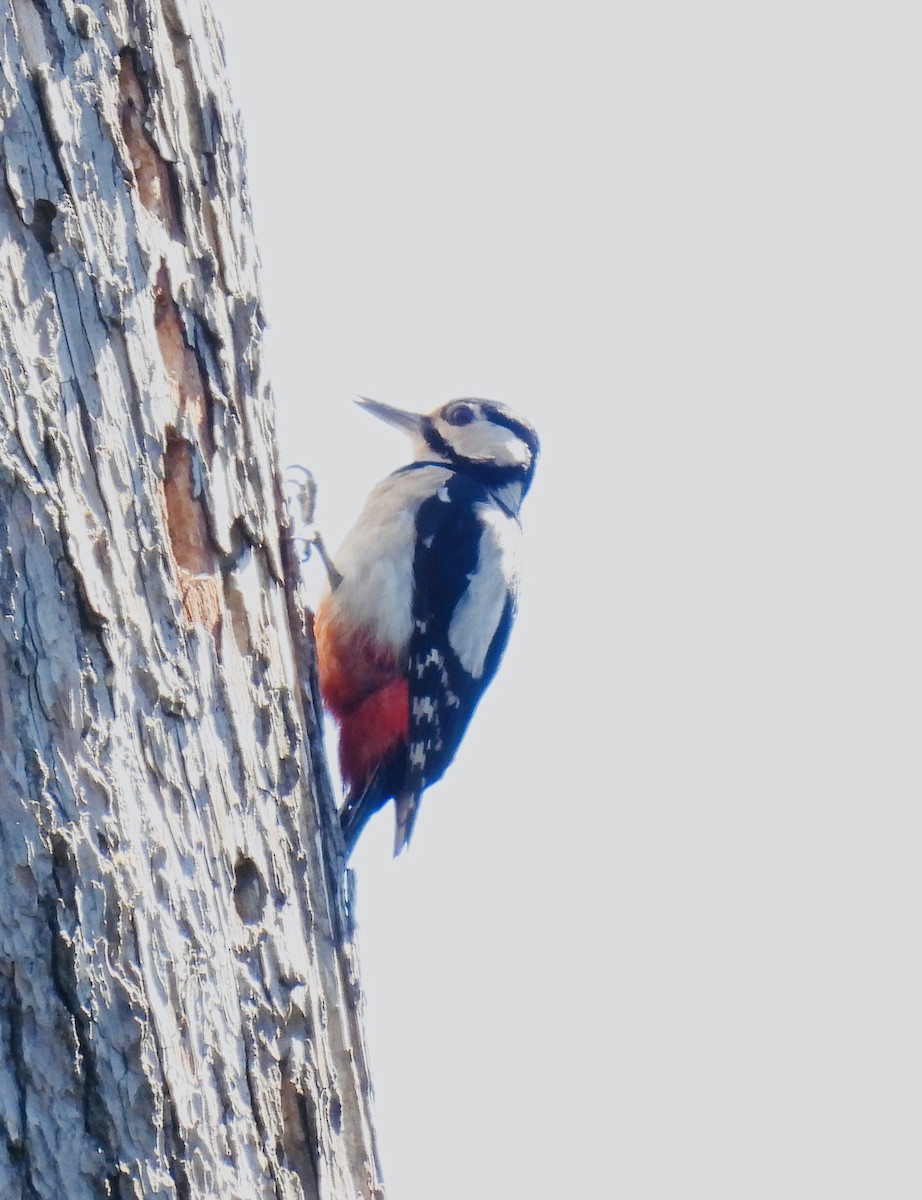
[417,754]
[423,706]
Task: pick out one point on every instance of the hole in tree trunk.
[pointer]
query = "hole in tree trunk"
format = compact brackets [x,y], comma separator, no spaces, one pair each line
[249,891]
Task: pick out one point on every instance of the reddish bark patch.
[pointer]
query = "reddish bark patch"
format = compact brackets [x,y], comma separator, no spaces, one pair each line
[152,173]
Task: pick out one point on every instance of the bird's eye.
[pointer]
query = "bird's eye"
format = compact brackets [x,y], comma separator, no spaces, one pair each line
[461,414]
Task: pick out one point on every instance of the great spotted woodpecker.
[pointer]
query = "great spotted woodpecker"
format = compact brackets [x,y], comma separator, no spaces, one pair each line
[413,629]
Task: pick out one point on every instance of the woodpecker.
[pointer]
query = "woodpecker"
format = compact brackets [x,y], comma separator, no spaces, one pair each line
[416,618]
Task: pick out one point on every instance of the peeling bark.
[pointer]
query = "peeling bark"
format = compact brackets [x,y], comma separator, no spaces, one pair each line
[179,1003]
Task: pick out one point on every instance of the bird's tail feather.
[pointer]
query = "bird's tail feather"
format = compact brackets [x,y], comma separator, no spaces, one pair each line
[360,805]
[406,807]
[363,802]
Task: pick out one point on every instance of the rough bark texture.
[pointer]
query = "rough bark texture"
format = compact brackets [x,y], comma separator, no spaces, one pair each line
[178,1003]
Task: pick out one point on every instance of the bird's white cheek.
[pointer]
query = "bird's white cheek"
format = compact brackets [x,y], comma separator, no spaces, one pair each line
[485,442]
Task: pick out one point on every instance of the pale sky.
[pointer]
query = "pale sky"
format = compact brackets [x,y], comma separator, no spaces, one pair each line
[657,934]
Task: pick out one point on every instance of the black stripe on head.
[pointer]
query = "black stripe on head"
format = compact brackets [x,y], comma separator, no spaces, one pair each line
[499,414]
[436,442]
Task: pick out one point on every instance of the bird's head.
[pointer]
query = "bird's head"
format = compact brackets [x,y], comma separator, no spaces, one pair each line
[479,437]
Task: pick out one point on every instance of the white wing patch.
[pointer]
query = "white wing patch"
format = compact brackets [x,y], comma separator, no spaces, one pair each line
[496,577]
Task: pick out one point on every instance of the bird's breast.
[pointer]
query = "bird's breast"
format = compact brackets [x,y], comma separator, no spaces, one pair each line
[374,601]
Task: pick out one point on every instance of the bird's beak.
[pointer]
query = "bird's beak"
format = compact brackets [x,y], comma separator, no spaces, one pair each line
[409,422]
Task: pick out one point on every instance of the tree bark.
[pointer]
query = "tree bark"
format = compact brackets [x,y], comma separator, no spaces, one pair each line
[179,1002]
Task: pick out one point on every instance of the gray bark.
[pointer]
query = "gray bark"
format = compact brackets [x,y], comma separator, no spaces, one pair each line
[179,1006]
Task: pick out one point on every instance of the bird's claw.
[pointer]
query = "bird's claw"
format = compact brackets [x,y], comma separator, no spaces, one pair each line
[301,495]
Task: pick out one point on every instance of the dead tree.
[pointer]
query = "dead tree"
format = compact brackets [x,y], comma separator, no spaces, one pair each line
[178,1001]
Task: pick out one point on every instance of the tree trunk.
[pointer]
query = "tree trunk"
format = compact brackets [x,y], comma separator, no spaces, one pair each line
[178,997]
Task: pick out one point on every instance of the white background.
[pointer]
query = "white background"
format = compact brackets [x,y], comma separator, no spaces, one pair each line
[658,932]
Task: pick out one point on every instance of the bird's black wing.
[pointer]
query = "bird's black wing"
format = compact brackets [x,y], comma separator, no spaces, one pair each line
[446,681]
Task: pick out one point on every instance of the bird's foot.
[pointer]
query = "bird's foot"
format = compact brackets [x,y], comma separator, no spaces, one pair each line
[301,495]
